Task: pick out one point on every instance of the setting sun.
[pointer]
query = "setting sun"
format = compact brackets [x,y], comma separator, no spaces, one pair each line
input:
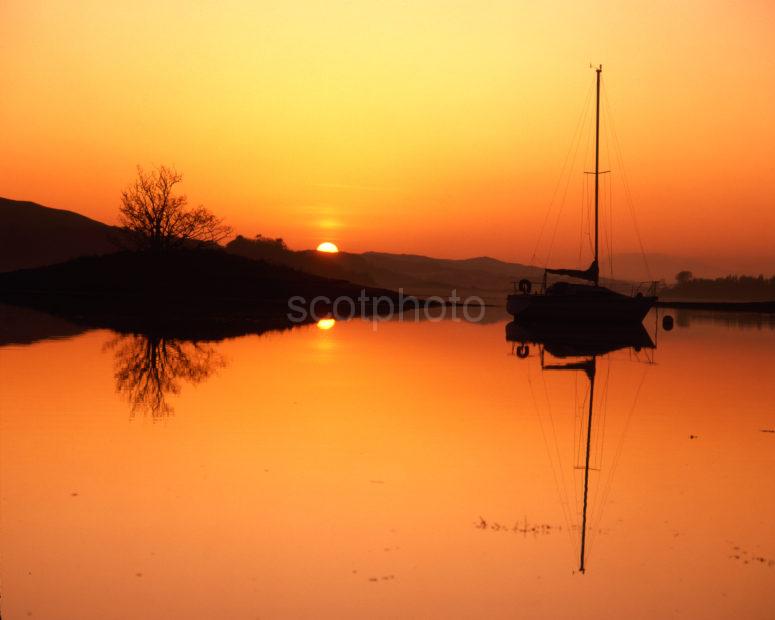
[326,324]
[328,247]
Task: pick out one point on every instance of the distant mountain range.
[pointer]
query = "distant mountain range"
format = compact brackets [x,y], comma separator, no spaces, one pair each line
[32,235]
[419,275]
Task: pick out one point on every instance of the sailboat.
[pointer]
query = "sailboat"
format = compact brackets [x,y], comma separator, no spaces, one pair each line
[580,303]
[584,346]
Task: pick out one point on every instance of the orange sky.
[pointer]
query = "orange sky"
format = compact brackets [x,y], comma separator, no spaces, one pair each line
[435,127]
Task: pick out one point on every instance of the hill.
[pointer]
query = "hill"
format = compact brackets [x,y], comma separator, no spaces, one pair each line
[417,275]
[423,276]
[32,235]
[127,290]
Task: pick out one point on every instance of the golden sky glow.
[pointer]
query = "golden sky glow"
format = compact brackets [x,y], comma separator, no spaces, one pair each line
[435,127]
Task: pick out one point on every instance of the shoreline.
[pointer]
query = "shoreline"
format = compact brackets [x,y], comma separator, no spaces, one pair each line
[766,307]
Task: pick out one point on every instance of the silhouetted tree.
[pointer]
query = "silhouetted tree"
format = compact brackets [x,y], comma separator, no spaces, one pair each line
[263,248]
[157,219]
[148,368]
[682,277]
[279,242]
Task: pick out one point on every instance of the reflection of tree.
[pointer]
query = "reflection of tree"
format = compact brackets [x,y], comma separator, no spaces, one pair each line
[149,368]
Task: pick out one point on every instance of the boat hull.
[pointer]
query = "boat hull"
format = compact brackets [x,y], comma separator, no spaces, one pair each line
[579,308]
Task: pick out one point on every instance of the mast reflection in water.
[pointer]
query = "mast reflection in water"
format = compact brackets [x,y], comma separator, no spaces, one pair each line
[577,348]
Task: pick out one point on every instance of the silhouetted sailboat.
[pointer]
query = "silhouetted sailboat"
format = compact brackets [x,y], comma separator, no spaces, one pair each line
[565,301]
[586,345]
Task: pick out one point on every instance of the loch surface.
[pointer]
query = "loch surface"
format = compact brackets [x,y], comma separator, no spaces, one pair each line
[398,470]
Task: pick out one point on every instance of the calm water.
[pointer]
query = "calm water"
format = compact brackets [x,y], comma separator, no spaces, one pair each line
[416,471]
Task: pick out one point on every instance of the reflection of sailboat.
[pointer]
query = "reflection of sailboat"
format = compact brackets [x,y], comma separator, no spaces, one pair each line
[565,301]
[562,340]
[586,346]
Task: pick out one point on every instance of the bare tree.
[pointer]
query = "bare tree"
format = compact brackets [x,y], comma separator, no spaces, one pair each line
[157,219]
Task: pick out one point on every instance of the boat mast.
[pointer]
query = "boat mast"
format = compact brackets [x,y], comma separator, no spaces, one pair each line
[597,170]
